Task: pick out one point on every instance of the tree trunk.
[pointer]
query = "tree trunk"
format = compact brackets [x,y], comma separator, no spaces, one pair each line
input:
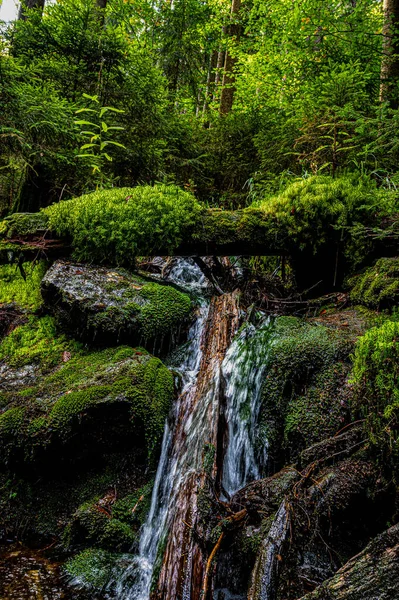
[390,47]
[210,80]
[227,97]
[28,4]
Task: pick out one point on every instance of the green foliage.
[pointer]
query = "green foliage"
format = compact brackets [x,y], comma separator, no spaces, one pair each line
[119,224]
[375,378]
[25,292]
[378,286]
[38,342]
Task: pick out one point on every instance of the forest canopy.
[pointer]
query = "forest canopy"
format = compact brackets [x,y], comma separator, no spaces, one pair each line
[230,100]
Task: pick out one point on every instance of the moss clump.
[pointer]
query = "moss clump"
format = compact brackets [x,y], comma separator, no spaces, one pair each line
[309,210]
[378,286]
[118,224]
[37,341]
[307,368]
[163,310]
[166,308]
[111,526]
[375,378]
[23,292]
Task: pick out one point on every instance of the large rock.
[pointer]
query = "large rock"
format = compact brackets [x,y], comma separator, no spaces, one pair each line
[371,575]
[111,306]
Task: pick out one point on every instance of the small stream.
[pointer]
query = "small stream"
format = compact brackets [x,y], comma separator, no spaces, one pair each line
[27,574]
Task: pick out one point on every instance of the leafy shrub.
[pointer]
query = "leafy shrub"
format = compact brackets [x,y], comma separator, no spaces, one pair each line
[119,224]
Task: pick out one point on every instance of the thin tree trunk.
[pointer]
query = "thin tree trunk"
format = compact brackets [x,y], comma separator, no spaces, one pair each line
[390,46]
[210,79]
[227,97]
[28,4]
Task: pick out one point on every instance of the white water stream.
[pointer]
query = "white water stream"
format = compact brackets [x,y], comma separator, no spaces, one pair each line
[244,369]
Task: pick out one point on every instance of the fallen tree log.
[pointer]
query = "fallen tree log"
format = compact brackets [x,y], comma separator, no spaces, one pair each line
[317,255]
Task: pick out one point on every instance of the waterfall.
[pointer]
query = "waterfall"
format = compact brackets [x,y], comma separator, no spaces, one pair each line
[221,369]
[243,369]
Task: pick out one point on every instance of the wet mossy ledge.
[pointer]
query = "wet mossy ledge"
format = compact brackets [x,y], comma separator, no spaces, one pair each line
[114,306]
[60,397]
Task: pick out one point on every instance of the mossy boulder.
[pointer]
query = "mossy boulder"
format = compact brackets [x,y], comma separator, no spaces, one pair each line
[111,306]
[306,391]
[77,399]
[378,286]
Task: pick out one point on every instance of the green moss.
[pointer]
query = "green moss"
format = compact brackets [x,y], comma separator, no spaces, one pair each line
[375,378]
[38,342]
[167,307]
[24,292]
[113,526]
[317,413]
[91,568]
[10,421]
[118,224]
[378,286]
[315,210]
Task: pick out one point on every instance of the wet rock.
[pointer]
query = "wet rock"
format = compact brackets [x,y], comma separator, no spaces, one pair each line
[111,306]
[372,574]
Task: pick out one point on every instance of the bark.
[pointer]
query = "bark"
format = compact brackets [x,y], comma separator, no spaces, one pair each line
[28,4]
[390,47]
[227,97]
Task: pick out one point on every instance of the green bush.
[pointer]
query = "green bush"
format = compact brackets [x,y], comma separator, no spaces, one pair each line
[118,224]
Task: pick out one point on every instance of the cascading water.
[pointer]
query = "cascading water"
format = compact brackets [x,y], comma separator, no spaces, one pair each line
[243,370]
[220,369]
